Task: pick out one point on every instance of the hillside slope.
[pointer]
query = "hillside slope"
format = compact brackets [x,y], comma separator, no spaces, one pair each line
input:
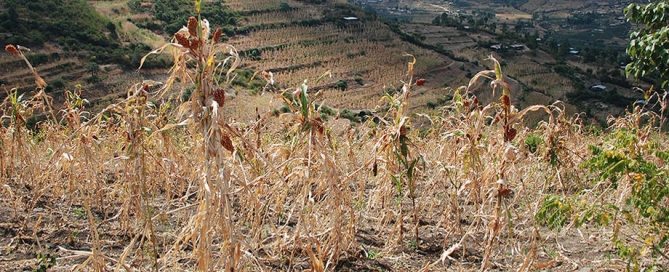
[73,44]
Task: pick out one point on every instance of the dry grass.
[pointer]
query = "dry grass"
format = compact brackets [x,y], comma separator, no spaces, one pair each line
[159,186]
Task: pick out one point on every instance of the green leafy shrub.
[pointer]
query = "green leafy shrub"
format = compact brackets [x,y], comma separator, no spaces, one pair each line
[533,141]
[136,5]
[555,212]
[648,46]
[58,83]
[341,85]
[646,172]
[350,115]
[285,7]
[45,262]
[186,94]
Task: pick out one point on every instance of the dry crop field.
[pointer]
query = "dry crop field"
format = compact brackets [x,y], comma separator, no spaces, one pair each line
[260,5]
[274,17]
[132,189]
[448,37]
[158,184]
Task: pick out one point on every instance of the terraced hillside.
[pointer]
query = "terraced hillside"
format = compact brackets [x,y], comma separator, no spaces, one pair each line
[361,57]
[294,40]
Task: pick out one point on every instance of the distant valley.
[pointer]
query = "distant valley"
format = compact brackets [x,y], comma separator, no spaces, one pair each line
[570,51]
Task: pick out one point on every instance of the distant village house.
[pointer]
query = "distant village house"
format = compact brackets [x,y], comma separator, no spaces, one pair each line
[598,88]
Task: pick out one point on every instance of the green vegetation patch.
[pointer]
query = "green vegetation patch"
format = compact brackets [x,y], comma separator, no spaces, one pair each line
[70,23]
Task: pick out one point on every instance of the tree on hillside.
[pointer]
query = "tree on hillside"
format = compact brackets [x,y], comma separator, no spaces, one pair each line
[648,48]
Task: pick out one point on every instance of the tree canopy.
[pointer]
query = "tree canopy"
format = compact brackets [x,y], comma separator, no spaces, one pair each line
[649,45]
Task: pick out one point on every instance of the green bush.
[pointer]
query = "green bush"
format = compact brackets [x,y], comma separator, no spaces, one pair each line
[348,114]
[533,141]
[341,85]
[58,83]
[186,94]
[136,5]
[94,79]
[284,6]
[647,171]
[555,212]
[37,59]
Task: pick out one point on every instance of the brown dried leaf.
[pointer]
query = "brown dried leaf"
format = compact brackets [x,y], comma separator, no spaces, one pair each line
[318,124]
[226,142]
[510,134]
[505,192]
[39,81]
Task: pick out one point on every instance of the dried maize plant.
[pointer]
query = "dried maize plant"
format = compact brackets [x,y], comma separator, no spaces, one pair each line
[319,183]
[466,139]
[508,117]
[663,101]
[73,109]
[77,160]
[557,131]
[40,99]
[401,164]
[137,199]
[654,102]
[17,51]
[86,188]
[16,110]
[200,59]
